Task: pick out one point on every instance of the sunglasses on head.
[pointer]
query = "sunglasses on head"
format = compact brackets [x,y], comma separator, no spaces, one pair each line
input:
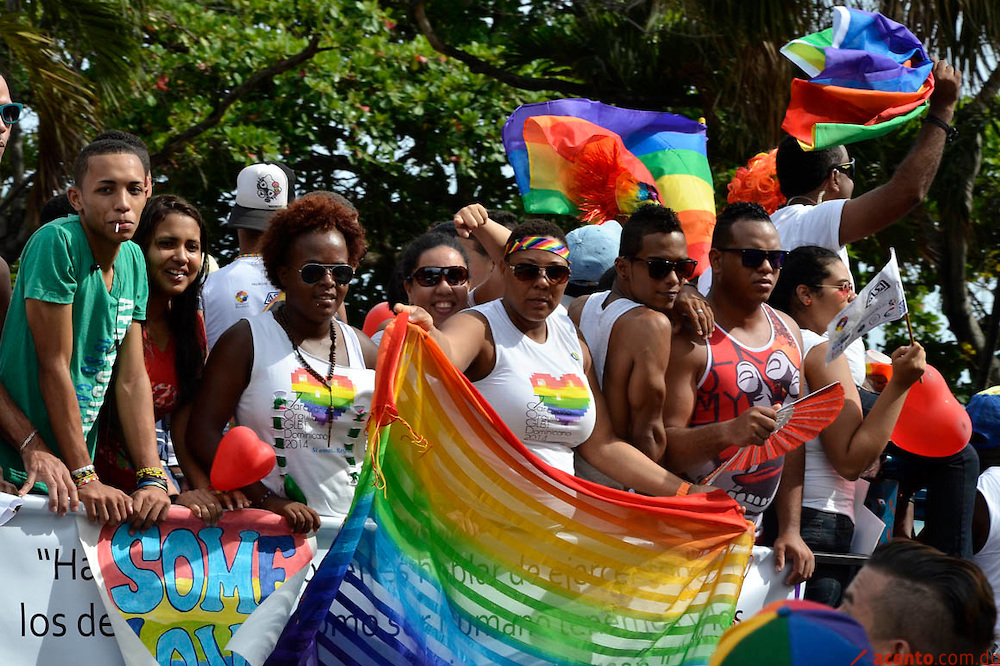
[754,258]
[659,269]
[313,273]
[554,273]
[10,113]
[847,168]
[431,276]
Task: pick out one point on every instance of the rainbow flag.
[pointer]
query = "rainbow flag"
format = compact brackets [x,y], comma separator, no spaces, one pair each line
[868,75]
[543,142]
[463,547]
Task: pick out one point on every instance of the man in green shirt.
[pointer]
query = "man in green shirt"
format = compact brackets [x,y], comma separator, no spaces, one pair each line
[72,334]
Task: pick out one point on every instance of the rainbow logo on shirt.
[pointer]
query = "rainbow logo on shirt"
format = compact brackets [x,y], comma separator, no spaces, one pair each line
[241,297]
[566,398]
[316,398]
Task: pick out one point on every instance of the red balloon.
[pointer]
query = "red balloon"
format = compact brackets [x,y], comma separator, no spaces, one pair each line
[375,317]
[933,423]
[241,459]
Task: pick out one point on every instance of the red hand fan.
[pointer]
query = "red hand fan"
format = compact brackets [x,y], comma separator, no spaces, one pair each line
[798,422]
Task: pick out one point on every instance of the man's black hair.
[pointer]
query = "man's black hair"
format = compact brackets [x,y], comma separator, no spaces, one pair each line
[722,237]
[648,219]
[799,171]
[105,147]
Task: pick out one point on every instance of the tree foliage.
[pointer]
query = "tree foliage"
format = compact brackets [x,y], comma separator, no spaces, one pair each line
[398,104]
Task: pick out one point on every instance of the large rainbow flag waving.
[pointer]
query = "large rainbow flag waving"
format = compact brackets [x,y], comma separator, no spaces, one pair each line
[462,547]
[546,142]
[868,75]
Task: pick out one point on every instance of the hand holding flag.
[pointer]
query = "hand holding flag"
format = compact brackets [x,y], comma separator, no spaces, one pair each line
[880,302]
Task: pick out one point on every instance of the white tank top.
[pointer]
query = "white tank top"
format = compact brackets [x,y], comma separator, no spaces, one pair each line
[988,558]
[288,408]
[539,390]
[823,488]
[596,322]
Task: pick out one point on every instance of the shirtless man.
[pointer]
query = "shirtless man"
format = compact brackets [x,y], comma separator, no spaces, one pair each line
[722,391]
[628,329]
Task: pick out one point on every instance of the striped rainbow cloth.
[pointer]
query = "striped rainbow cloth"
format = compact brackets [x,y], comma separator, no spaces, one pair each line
[868,75]
[462,547]
[544,140]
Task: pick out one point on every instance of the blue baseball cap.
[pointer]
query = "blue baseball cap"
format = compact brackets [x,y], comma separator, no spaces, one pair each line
[593,249]
[984,411]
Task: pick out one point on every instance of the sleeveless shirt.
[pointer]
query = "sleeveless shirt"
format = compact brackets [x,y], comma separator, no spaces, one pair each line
[540,390]
[736,378]
[289,409]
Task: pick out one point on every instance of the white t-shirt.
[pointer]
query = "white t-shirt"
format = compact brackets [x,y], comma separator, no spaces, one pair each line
[823,488]
[289,409]
[988,558]
[539,390]
[237,291]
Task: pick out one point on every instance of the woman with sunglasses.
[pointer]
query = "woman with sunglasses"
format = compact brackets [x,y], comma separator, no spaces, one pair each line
[432,272]
[529,362]
[173,239]
[813,287]
[300,379]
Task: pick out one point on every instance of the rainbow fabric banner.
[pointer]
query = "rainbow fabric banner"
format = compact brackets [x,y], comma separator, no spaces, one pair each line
[544,142]
[868,75]
[463,547]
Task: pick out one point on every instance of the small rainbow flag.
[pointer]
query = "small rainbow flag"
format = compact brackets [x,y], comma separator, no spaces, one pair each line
[463,547]
[545,140]
[868,75]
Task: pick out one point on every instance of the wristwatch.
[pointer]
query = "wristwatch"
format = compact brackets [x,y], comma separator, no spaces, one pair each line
[950,130]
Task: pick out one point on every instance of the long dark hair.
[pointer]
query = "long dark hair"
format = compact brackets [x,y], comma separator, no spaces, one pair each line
[808,265]
[183,318]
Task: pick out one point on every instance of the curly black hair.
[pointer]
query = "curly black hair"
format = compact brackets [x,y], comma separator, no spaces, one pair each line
[316,211]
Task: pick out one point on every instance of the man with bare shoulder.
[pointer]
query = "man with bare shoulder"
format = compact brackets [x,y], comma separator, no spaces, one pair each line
[628,328]
[722,392]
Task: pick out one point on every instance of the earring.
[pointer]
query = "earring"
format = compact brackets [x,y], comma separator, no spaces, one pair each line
[809,301]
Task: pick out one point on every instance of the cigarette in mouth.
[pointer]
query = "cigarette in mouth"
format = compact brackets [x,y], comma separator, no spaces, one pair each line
[116,227]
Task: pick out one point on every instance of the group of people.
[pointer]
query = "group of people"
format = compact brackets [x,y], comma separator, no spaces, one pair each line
[113,326]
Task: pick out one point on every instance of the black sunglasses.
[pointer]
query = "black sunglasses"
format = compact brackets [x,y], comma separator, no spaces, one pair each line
[10,113]
[313,273]
[753,257]
[554,273]
[659,269]
[431,276]
[847,168]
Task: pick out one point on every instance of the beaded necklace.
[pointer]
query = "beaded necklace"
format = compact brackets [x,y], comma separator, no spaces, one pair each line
[282,319]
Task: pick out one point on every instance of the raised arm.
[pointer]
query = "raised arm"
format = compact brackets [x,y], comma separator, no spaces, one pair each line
[852,442]
[473,220]
[873,211]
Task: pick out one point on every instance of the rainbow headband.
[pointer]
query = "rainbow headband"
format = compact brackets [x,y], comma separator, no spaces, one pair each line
[546,243]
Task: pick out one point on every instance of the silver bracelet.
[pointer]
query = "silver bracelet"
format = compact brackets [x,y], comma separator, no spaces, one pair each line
[27,440]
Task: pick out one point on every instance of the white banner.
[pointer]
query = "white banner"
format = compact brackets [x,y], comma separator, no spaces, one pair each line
[880,302]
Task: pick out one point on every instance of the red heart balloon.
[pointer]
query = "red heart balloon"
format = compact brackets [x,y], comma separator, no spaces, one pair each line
[932,423]
[241,459]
